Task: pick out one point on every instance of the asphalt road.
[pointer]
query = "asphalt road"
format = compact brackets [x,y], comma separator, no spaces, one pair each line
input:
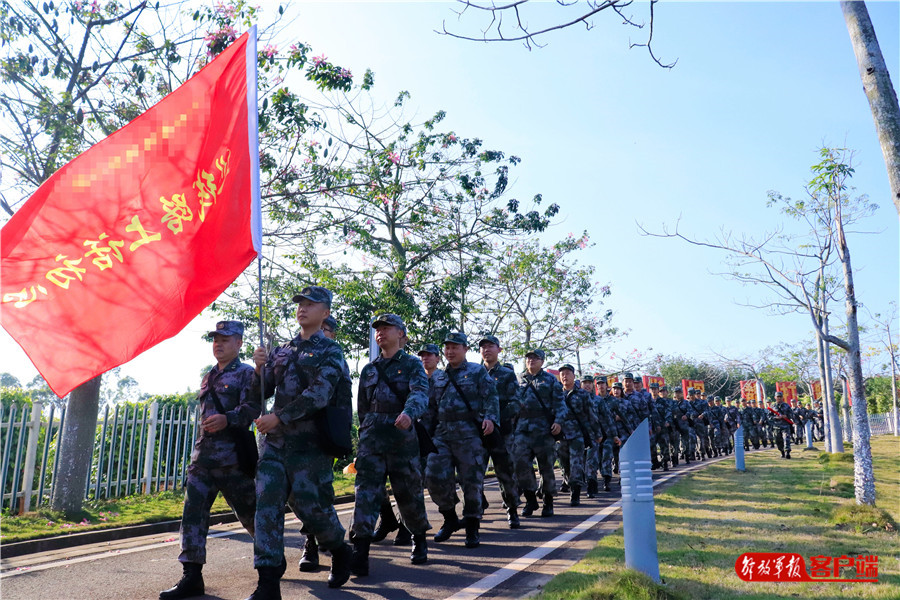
[508,564]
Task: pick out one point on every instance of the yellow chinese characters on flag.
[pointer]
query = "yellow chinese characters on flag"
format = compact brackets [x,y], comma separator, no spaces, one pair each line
[648,379]
[748,390]
[697,384]
[816,390]
[788,388]
[124,245]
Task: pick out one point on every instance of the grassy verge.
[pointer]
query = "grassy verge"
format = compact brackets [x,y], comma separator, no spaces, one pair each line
[706,520]
[117,512]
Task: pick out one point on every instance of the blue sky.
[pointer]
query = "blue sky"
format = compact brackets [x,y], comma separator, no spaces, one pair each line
[615,139]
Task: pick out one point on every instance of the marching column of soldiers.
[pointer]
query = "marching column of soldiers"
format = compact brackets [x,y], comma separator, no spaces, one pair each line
[423,427]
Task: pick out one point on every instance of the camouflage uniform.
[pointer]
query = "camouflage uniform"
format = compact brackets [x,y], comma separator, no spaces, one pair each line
[571,447]
[533,438]
[386,451]
[507,392]
[457,436]
[714,416]
[304,375]
[659,416]
[783,428]
[748,422]
[682,408]
[701,426]
[608,426]
[769,422]
[214,462]
[732,419]
[819,421]
[670,433]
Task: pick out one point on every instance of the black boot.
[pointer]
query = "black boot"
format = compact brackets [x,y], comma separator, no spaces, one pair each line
[359,563]
[674,461]
[309,560]
[387,524]
[451,524]
[787,454]
[576,495]
[473,540]
[547,511]
[512,513]
[592,488]
[190,584]
[564,488]
[484,502]
[269,586]
[531,503]
[404,537]
[419,555]
[665,465]
[340,566]
[606,480]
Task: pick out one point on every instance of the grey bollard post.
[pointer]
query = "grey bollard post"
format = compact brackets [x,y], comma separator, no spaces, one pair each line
[809,436]
[739,449]
[638,514]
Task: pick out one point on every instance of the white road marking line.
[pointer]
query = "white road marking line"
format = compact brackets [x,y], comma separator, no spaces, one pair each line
[499,576]
[112,553]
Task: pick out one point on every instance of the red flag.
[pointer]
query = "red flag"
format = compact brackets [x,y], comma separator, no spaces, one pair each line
[788,388]
[697,384]
[648,379]
[816,390]
[123,246]
[748,389]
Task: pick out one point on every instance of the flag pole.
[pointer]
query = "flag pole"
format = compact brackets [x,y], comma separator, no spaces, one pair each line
[262,335]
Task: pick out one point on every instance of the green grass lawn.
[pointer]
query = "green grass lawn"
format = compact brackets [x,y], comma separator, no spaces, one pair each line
[117,512]
[708,519]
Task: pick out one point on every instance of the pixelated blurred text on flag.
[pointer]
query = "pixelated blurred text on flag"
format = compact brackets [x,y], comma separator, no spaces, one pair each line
[124,245]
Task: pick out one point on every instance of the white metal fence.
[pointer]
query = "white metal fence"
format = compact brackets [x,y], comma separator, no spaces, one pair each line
[137,449]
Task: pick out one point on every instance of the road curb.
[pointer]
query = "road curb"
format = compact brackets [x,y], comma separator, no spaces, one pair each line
[71,540]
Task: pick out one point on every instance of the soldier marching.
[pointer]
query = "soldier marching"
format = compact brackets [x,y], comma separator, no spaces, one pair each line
[423,427]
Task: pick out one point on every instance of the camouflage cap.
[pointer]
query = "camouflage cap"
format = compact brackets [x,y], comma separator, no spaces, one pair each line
[662,388]
[691,390]
[779,394]
[330,322]
[618,384]
[389,319]
[587,378]
[654,385]
[627,376]
[600,379]
[717,398]
[536,352]
[228,328]
[430,349]
[457,337]
[490,339]
[314,293]
[566,367]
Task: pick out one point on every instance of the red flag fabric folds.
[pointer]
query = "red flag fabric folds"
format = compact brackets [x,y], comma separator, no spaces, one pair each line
[123,246]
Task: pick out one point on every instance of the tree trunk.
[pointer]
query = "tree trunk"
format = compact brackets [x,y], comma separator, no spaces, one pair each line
[877,86]
[863,474]
[845,412]
[837,434]
[77,448]
[826,414]
[896,416]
